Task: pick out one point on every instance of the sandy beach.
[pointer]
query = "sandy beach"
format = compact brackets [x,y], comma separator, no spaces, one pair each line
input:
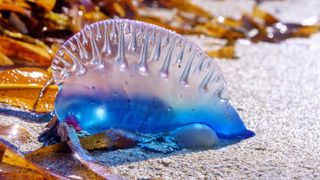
[275,88]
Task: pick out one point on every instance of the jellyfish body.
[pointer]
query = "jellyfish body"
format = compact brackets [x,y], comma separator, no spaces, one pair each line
[140,77]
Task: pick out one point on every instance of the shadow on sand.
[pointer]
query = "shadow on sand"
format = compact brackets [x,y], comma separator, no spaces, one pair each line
[155,149]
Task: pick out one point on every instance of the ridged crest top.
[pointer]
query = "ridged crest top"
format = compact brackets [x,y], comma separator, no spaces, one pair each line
[135,47]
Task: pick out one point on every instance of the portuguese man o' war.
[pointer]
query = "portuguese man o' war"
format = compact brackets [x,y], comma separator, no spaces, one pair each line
[135,76]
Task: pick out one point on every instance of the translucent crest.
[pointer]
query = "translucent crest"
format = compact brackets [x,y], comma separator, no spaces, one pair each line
[137,47]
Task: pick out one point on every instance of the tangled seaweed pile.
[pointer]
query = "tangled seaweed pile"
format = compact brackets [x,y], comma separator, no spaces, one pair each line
[31,31]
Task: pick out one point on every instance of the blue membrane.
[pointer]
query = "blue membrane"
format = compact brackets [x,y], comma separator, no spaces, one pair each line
[145,114]
[137,76]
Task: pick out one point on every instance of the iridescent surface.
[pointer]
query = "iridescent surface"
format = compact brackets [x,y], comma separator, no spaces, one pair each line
[135,76]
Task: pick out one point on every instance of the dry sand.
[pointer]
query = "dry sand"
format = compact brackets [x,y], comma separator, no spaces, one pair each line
[276,89]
